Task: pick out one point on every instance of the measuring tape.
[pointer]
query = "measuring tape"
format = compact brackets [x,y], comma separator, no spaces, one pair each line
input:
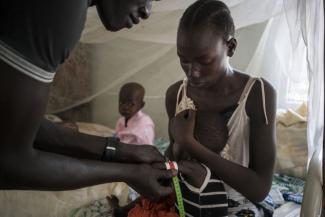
[179,197]
[178,192]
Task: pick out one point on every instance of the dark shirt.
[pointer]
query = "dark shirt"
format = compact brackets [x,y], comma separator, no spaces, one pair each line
[43,32]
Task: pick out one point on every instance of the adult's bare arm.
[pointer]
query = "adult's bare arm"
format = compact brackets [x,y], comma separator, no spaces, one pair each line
[55,138]
[23,101]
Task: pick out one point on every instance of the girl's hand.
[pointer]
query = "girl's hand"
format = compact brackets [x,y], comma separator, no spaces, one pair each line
[182,128]
[193,172]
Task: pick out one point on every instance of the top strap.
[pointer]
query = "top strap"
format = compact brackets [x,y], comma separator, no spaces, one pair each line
[263,99]
[247,90]
[184,103]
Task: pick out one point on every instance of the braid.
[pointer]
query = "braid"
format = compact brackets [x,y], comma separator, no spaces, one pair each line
[209,13]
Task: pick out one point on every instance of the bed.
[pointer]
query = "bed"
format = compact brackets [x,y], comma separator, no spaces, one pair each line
[91,201]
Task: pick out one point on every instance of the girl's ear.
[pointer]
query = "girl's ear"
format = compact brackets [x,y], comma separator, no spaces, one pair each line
[232,45]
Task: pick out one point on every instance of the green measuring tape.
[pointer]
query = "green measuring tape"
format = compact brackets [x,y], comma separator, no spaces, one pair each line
[179,197]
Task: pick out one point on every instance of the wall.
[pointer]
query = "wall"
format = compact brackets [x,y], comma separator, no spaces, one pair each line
[71,84]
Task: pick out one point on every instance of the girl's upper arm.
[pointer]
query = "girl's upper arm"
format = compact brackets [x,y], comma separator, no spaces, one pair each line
[262,134]
[170,102]
[171,97]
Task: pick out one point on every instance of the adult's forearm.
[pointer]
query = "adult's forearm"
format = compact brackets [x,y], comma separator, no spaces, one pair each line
[38,170]
[55,138]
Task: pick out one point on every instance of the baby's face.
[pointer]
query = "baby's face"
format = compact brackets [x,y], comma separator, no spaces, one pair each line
[129,104]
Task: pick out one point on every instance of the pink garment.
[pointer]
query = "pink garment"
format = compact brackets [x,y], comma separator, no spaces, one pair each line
[140,130]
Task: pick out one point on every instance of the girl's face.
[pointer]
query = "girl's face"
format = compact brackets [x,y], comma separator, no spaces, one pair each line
[203,56]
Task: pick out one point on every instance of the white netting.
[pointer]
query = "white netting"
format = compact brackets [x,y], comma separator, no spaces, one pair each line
[279,40]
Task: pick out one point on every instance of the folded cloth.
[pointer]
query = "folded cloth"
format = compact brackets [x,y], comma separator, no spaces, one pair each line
[284,188]
[288,184]
[290,117]
[97,208]
[297,198]
[147,208]
[273,200]
[277,197]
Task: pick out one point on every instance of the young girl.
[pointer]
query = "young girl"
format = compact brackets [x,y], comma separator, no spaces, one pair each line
[205,41]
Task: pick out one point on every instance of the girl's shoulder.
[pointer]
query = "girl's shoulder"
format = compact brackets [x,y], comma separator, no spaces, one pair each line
[171,97]
[173,88]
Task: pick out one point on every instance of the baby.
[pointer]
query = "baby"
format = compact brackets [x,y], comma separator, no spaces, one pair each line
[134,127]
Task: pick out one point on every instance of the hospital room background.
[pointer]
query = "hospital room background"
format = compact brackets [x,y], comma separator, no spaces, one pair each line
[278,40]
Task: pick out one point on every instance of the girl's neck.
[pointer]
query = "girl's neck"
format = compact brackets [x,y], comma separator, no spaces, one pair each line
[221,83]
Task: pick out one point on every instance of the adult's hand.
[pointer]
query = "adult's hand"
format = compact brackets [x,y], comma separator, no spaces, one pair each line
[192,171]
[147,154]
[129,153]
[146,181]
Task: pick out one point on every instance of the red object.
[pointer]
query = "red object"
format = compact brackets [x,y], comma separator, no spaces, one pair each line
[146,208]
[172,165]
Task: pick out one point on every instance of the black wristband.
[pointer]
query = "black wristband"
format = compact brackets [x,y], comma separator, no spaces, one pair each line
[110,148]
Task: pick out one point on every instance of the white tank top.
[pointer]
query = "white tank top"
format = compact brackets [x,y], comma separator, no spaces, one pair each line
[238,126]
[237,147]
